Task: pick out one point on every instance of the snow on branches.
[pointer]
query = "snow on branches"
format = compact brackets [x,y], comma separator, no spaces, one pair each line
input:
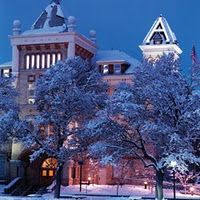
[8,109]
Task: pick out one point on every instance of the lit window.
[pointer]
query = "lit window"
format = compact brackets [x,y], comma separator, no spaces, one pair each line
[58,56]
[51,173]
[38,61]
[31,101]
[27,62]
[117,68]
[105,69]
[31,85]
[43,61]
[44,172]
[53,59]
[48,60]
[6,72]
[32,61]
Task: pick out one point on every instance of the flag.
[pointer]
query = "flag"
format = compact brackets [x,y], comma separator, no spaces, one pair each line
[194,55]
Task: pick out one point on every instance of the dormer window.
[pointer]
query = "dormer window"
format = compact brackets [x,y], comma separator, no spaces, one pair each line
[105,69]
[117,68]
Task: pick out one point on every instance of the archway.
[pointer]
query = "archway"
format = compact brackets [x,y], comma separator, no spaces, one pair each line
[48,171]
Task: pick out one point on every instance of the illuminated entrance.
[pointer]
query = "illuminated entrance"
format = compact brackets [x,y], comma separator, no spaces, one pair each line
[48,171]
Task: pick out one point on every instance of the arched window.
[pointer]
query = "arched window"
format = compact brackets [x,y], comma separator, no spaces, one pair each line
[49,167]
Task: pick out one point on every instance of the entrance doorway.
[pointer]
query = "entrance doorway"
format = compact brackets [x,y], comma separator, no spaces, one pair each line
[48,171]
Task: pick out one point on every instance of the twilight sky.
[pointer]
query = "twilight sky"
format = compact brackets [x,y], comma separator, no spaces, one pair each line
[120,24]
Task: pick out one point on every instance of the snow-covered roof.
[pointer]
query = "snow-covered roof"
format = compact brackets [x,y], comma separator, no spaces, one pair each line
[116,56]
[6,65]
[51,20]
[161,25]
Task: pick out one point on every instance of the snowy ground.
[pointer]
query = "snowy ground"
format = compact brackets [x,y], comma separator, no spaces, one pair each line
[130,190]
[105,190]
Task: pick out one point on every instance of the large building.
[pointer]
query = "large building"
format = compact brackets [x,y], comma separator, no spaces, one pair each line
[53,37]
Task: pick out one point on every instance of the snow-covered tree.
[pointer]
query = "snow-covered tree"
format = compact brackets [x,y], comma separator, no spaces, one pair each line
[67,95]
[9,118]
[156,118]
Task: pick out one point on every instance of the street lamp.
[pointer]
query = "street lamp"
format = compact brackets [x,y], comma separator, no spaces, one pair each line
[173,165]
[81,174]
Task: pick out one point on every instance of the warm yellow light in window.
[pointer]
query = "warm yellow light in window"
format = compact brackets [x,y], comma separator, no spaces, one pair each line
[51,173]
[44,172]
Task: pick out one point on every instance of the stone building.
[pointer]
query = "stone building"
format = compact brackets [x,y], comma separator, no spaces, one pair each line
[53,37]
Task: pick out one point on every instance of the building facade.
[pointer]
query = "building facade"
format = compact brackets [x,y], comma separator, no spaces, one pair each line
[53,37]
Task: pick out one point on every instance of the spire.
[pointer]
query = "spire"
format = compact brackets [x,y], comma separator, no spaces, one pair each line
[160,40]
[161,28]
[51,17]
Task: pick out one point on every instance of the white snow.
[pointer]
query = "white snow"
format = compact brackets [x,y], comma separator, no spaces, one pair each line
[46,30]
[117,56]
[165,27]
[130,190]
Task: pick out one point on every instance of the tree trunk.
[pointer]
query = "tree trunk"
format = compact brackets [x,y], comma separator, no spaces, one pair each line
[58,180]
[159,185]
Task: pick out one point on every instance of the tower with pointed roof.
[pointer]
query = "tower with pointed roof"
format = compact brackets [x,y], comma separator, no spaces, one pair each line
[51,38]
[160,40]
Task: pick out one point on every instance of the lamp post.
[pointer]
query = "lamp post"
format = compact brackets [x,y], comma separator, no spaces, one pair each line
[173,165]
[81,173]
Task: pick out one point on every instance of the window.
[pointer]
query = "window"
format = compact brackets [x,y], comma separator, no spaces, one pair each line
[31,78]
[31,85]
[48,60]
[6,72]
[27,62]
[117,68]
[31,89]
[43,61]
[38,61]
[59,57]
[105,69]
[44,172]
[49,167]
[51,173]
[32,61]
[53,59]
[31,100]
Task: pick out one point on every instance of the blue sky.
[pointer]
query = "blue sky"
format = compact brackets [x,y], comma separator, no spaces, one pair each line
[120,24]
